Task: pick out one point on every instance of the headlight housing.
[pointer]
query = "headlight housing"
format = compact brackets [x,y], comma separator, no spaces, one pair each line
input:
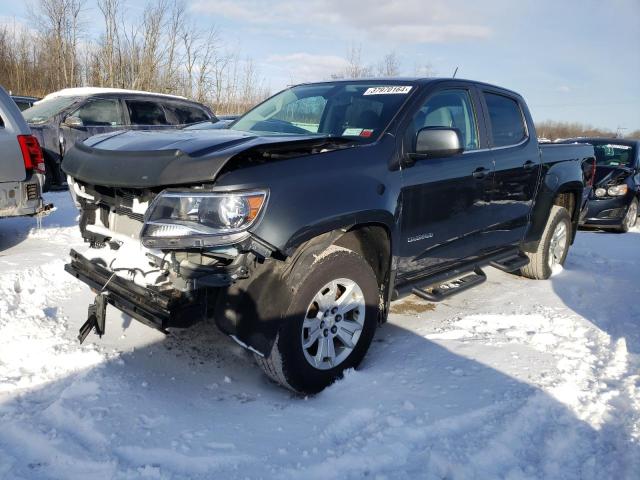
[617,190]
[183,219]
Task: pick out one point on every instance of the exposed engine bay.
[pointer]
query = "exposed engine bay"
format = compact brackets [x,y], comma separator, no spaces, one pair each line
[111,222]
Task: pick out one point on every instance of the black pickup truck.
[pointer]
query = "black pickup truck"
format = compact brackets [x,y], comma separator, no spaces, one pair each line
[295,228]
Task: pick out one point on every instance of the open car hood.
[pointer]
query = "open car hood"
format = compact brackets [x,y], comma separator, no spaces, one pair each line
[144,159]
[606,175]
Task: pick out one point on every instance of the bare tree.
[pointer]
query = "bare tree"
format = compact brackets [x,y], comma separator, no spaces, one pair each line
[425,70]
[59,26]
[389,66]
[162,49]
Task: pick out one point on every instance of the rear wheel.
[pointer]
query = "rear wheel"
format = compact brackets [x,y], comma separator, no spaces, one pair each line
[329,324]
[553,247]
[631,218]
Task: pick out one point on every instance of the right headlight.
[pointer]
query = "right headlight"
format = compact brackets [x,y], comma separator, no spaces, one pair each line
[193,218]
[617,190]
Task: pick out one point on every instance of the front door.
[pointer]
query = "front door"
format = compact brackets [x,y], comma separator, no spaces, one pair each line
[445,208]
[97,115]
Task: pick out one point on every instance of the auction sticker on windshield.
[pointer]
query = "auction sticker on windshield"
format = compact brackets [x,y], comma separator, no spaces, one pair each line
[391,90]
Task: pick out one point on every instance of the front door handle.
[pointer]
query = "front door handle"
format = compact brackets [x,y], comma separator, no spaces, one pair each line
[480,172]
[528,165]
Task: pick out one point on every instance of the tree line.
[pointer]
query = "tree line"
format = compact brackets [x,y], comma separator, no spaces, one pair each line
[554,130]
[161,50]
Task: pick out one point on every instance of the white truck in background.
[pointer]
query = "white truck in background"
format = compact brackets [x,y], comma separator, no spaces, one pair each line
[21,164]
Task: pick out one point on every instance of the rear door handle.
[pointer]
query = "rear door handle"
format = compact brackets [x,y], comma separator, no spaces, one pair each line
[528,165]
[480,172]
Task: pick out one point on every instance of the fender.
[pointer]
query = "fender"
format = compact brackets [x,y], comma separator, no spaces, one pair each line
[558,178]
[354,188]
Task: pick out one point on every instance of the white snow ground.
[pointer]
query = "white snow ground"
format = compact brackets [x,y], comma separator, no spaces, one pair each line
[515,379]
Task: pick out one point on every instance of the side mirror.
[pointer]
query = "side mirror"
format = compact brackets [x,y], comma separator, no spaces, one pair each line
[438,142]
[73,122]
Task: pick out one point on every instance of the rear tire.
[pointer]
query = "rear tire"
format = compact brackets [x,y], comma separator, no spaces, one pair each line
[293,362]
[630,218]
[553,246]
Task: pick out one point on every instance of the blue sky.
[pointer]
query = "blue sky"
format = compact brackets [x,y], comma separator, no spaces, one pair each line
[572,60]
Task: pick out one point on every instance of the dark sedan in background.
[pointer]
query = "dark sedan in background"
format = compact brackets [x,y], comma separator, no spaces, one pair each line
[23,102]
[75,114]
[613,203]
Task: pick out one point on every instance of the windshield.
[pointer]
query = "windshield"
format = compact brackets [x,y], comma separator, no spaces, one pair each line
[614,155]
[360,110]
[45,109]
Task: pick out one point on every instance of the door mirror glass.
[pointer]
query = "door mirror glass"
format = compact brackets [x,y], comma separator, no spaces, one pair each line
[438,142]
[73,122]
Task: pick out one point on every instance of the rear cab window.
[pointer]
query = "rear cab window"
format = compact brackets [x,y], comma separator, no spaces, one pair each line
[506,120]
[146,112]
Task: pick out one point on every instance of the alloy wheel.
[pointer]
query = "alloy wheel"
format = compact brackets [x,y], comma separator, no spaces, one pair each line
[333,323]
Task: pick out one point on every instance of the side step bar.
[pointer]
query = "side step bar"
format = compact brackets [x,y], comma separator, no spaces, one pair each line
[510,264]
[460,278]
[445,289]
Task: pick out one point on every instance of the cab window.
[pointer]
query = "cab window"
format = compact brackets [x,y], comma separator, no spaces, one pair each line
[146,112]
[451,109]
[100,112]
[185,114]
[507,121]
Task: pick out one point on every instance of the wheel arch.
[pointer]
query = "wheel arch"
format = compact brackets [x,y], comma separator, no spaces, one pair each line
[568,195]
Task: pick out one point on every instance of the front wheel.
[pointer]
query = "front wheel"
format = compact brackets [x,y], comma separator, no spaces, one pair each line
[631,218]
[329,325]
[553,247]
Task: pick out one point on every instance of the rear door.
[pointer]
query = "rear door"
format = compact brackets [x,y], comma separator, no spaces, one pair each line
[11,125]
[445,207]
[98,115]
[517,165]
[147,114]
[183,114]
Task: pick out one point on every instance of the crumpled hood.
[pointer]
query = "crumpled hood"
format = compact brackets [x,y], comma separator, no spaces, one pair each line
[606,176]
[144,159]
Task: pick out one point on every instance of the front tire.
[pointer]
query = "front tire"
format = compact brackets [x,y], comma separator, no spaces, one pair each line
[631,217]
[329,324]
[553,247]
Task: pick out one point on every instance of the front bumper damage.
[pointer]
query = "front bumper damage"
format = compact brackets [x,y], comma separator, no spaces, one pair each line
[242,307]
[232,284]
[154,308]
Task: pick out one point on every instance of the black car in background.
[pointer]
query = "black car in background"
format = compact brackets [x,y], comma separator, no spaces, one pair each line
[24,102]
[613,202]
[74,114]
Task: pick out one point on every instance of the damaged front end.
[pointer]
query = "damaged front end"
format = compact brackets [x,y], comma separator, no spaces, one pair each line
[164,257]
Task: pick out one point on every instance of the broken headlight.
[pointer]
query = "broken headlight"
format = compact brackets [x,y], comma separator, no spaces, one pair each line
[183,219]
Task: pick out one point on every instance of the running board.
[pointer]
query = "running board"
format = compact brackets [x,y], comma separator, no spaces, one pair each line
[441,291]
[510,264]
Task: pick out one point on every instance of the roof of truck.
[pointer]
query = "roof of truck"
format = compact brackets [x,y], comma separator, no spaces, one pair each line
[87,91]
[412,80]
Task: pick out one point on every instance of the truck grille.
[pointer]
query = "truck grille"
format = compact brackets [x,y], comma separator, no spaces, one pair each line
[127,212]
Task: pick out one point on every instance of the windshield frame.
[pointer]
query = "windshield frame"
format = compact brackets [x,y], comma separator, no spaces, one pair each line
[395,82]
[71,101]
